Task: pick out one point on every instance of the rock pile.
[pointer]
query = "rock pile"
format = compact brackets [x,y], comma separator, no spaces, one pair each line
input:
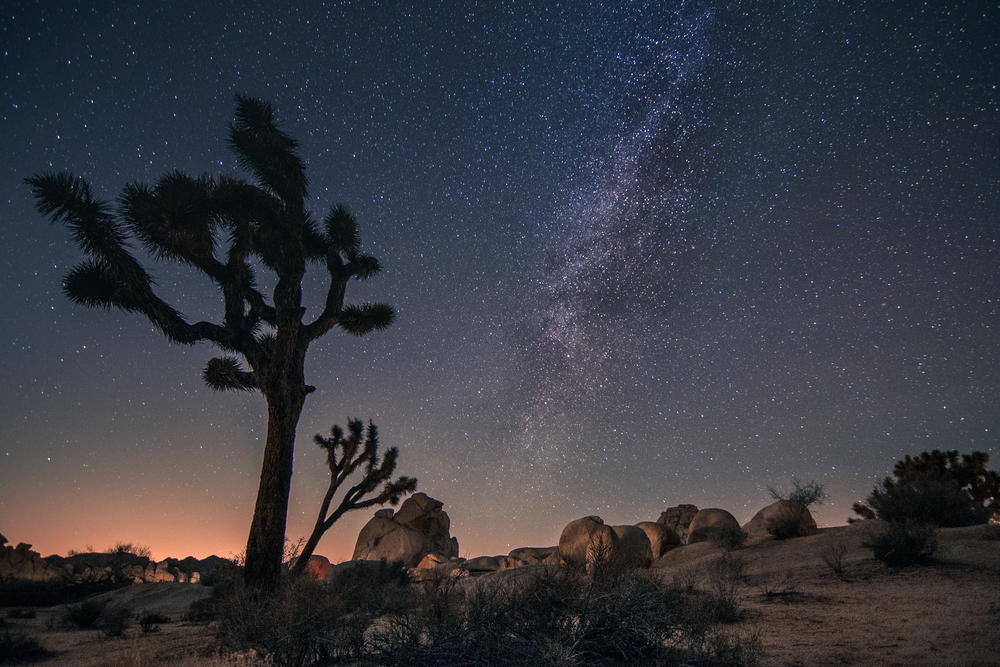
[419,528]
[678,519]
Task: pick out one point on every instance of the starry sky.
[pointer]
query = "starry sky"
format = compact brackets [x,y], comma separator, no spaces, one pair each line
[642,253]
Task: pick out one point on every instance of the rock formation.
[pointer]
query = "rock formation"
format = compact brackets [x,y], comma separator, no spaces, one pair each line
[635,546]
[536,555]
[661,538]
[708,521]
[678,519]
[587,541]
[784,518]
[21,562]
[419,528]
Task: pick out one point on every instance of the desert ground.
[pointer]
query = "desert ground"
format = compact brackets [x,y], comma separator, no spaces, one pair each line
[945,613]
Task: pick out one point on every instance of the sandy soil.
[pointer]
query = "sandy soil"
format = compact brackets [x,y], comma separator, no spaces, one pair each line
[947,613]
[944,614]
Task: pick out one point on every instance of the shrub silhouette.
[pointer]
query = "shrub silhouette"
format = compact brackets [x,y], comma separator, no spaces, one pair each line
[728,538]
[903,544]
[83,615]
[797,503]
[18,648]
[937,488]
[374,616]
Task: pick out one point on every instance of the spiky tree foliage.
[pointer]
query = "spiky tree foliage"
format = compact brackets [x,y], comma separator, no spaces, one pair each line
[345,455]
[222,226]
[938,488]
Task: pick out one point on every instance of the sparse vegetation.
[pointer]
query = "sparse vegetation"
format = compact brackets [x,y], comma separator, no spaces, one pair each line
[806,495]
[150,621]
[83,615]
[727,579]
[833,555]
[795,508]
[901,544]
[116,620]
[374,616]
[18,648]
[728,538]
[776,584]
[21,612]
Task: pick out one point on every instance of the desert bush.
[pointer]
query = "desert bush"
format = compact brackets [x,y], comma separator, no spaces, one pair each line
[806,495]
[726,580]
[150,621]
[730,538]
[558,618]
[116,620]
[903,544]
[543,617]
[83,615]
[776,584]
[303,623]
[21,612]
[18,648]
[937,488]
[797,503]
[131,549]
[833,556]
[787,526]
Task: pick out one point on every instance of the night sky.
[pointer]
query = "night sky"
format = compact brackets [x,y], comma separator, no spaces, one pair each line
[642,254]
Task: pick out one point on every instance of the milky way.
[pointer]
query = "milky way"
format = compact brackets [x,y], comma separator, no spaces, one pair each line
[643,254]
[617,244]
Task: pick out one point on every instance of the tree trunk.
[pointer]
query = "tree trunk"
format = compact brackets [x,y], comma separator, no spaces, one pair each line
[266,542]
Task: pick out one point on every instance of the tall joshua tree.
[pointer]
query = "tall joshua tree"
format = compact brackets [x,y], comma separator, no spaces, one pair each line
[219,226]
[345,456]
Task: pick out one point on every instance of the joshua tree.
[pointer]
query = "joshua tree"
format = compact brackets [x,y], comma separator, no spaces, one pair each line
[219,226]
[341,468]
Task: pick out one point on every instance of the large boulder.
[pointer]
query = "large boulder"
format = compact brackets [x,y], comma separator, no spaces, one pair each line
[709,521]
[536,555]
[419,528]
[636,548]
[587,542]
[661,538]
[678,519]
[782,519]
[21,562]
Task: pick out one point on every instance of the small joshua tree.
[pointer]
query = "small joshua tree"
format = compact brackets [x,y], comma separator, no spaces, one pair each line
[343,457]
[937,488]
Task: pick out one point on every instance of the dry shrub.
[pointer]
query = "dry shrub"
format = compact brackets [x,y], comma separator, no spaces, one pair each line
[729,538]
[150,621]
[116,620]
[538,618]
[776,584]
[83,615]
[18,648]
[833,555]
[726,580]
[903,544]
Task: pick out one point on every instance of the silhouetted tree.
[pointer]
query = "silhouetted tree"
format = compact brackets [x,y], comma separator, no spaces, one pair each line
[938,488]
[343,466]
[220,226]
